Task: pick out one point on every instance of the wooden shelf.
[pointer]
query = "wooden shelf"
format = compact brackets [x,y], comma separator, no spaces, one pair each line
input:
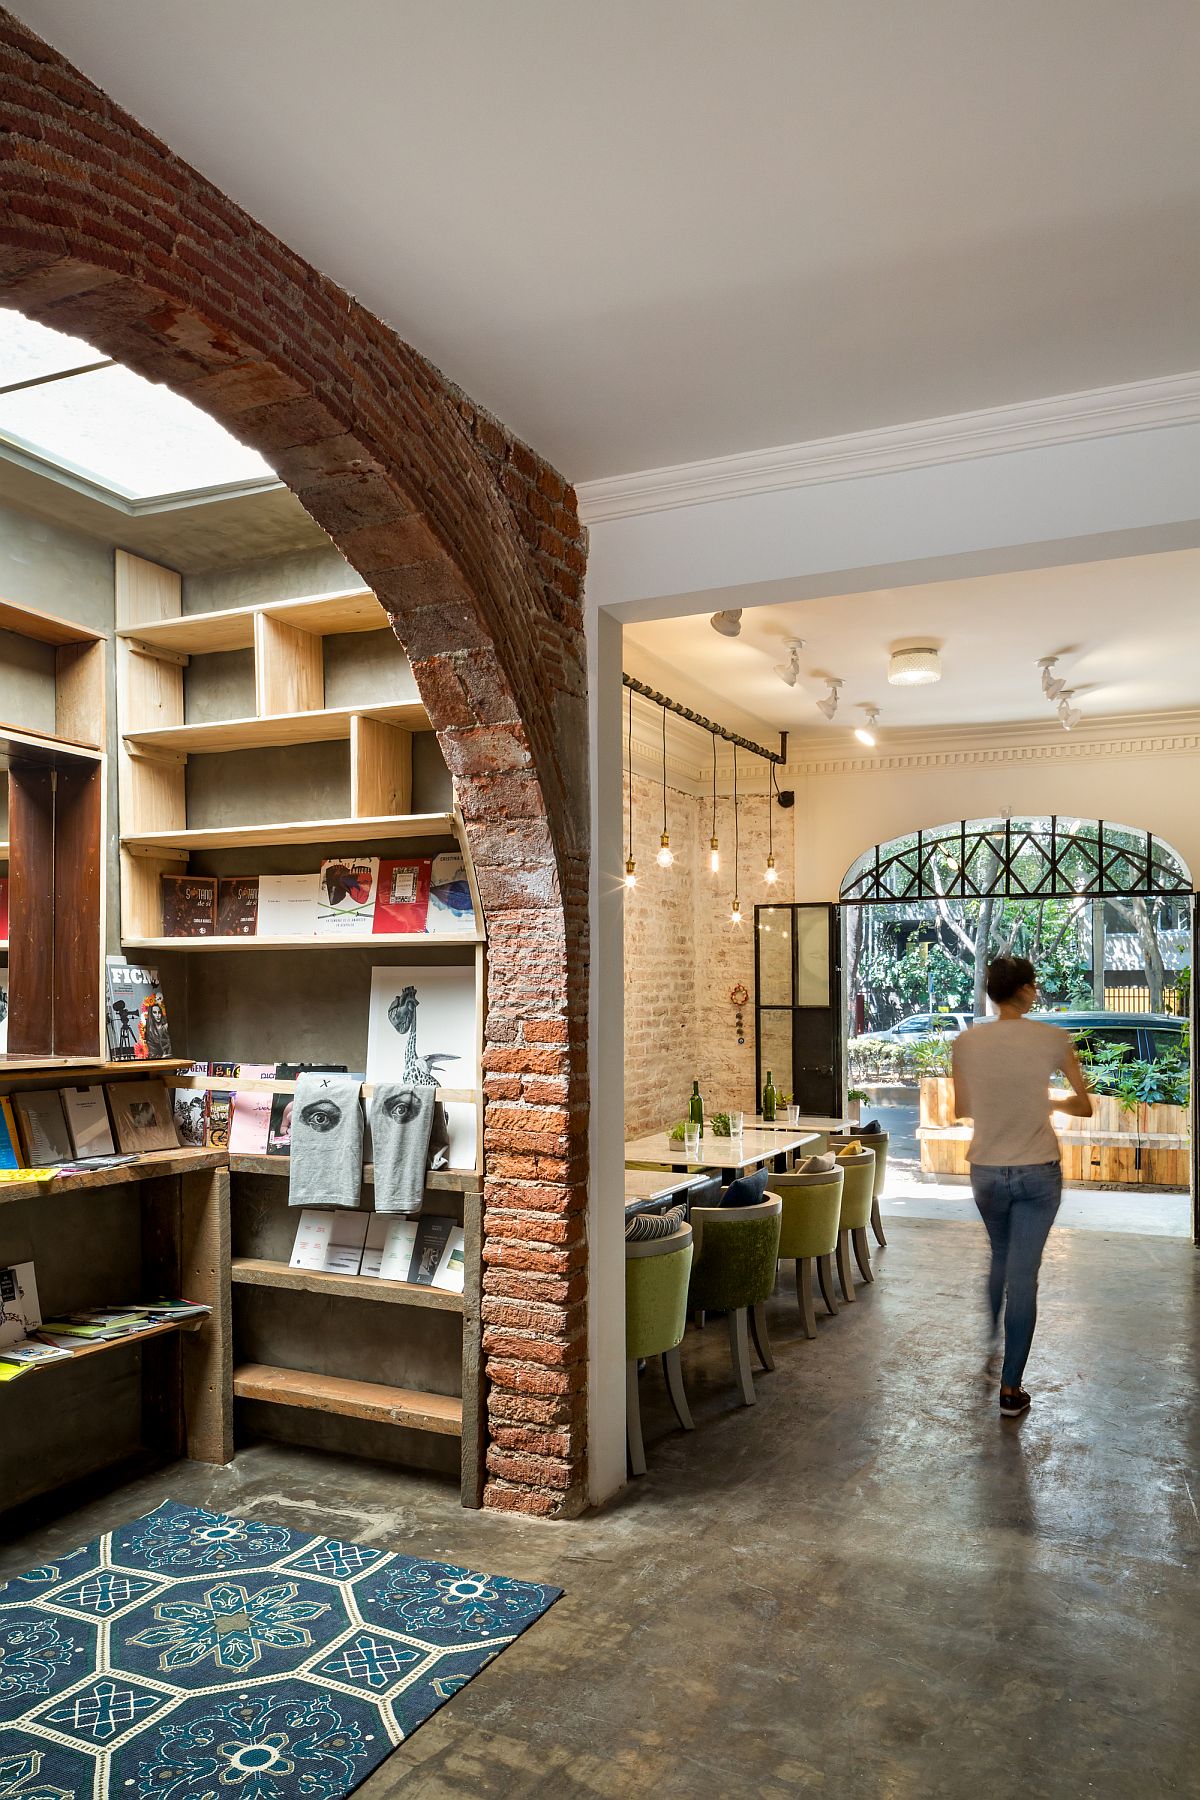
[120,1343]
[144,1168]
[72,1065]
[324,615]
[440,1413]
[40,747]
[251,1271]
[437,1181]
[333,832]
[28,622]
[379,940]
[274,730]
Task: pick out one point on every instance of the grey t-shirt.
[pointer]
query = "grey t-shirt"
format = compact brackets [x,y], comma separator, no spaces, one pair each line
[1006,1066]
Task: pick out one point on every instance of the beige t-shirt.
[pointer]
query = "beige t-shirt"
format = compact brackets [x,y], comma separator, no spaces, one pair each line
[1006,1066]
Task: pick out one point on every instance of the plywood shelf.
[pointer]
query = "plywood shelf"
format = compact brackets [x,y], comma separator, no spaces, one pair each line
[324,615]
[28,622]
[88,1348]
[144,1168]
[254,1272]
[333,832]
[22,1066]
[408,940]
[327,724]
[438,1413]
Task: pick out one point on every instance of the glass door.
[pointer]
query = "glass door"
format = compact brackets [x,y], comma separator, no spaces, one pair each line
[798,1004]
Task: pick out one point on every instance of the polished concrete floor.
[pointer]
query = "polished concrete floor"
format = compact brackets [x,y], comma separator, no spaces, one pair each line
[1145,1212]
[865,1586]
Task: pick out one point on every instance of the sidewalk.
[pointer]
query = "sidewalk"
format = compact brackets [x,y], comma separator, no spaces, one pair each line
[1083,1208]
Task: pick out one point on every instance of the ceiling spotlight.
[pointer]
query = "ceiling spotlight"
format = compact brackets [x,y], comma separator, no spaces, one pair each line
[866,733]
[729,624]
[1068,715]
[829,704]
[1052,685]
[915,668]
[790,670]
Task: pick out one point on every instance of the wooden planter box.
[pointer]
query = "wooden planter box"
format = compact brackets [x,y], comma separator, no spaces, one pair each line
[1149,1145]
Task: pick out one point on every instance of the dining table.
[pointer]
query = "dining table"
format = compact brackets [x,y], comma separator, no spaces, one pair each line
[807,1122]
[649,1190]
[726,1156]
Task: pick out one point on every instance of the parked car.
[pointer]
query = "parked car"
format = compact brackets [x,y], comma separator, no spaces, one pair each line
[1148,1037]
[924,1025]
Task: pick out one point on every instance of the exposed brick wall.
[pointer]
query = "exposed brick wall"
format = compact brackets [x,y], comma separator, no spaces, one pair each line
[682,954]
[473,545]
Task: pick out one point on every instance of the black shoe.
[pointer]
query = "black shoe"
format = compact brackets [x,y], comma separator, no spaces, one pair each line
[1013,1405]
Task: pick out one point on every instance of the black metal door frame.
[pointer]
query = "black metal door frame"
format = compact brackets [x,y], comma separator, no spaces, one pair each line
[832,1047]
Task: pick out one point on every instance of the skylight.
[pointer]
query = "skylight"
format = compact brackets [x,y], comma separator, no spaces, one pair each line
[137,439]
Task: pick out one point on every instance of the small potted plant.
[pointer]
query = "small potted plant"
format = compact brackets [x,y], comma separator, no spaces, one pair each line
[854,1100]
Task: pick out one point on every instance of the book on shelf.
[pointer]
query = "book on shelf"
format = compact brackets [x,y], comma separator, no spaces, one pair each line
[142,1117]
[451,1270]
[398,1244]
[43,1126]
[4,906]
[374,1244]
[136,1011]
[20,1314]
[159,1311]
[332,1240]
[346,896]
[433,1235]
[287,906]
[88,1121]
[191,1108]
[250,1125]
[237,905]
[450,908]
[29,1353]
[402,895]
[219,1117]
[3,1006]
[10,1142]
[189,905]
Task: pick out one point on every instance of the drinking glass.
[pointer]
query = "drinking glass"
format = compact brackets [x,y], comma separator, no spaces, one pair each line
[793,1115]
[691,1140]
[737,1123]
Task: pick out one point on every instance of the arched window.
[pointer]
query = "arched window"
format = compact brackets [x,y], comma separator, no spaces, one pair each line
[1054,858]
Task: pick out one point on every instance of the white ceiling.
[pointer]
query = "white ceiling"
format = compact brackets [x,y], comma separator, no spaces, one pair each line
[653,231]
[1127,633]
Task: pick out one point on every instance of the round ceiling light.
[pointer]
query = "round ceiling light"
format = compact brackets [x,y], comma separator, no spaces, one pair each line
[915,668]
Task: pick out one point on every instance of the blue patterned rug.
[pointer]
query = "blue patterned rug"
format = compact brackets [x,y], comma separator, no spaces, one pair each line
[191,1655]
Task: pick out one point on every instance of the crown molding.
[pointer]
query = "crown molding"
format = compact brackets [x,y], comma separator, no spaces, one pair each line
[1133,734]
[1028,425]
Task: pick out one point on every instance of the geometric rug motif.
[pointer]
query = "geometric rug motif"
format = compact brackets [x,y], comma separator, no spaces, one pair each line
[190,1655]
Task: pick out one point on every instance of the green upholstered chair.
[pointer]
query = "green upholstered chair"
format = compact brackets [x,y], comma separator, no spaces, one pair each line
[733,1271]
[858,1189]
[812,1209]
[878,1142]
[656,1301]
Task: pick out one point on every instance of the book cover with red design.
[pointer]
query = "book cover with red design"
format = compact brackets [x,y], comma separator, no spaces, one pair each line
[402,895]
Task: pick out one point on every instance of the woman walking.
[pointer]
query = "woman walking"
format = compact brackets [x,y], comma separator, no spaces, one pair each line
[1002,1071]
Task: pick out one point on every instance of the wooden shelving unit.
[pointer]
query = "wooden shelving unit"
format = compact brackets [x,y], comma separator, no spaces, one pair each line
[156,646]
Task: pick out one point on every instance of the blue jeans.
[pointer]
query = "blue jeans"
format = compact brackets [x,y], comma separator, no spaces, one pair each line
[1017,1205]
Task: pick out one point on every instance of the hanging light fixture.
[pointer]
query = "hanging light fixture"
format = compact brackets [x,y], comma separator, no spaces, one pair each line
[735,915]
[866,733]
[728,623]
[771,873]
[630,866]
[790,670]
[665,856]
[829,704]
[1069,716]
[714,849]
[917,667]
[1052,685]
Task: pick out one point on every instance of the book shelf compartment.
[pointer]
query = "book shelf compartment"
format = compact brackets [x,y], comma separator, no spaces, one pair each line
[252,1271]
[439,1413]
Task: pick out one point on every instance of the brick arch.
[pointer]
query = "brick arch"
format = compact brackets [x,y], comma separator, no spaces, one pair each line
[474,547]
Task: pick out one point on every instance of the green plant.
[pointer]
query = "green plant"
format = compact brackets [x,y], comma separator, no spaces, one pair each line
[857,1093]
[677,1131]
[931,1056]
[720,1124]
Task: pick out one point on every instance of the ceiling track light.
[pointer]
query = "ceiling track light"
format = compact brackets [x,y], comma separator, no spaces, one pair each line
[1052,685]
[1069,716]
[866,733]
[829,704]
[728,623]
[790,670]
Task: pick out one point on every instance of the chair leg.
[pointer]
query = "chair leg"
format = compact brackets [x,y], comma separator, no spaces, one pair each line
[877,1224]
[845,1278]
[825,1277]
[698,1318]
[862,1252]
[633,1420]
[674,1377]
[739,1349]
[804,1295]
[761,1336]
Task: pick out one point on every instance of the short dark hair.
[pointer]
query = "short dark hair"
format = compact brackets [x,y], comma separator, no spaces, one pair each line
[1007,976]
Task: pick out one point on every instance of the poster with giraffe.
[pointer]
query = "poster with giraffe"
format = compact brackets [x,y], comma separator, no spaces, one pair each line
[422,1030]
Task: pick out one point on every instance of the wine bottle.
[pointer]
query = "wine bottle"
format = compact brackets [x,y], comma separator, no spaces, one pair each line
[768,1100]
[696,1107]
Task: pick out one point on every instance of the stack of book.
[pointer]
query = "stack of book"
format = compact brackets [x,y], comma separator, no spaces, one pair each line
[54,1131]
[28,1342]
[427,1249]
[349,896]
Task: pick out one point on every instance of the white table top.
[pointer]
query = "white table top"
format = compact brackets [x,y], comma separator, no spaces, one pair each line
[747,1152]
[806,1122]
[645,1186]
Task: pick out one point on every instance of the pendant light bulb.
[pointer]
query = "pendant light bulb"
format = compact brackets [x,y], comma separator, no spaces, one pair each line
[630,873]
[735,916]
[714,856]
[771,875]
[665,856]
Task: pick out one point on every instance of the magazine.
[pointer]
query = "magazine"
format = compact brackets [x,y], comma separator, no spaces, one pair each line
[136,1011]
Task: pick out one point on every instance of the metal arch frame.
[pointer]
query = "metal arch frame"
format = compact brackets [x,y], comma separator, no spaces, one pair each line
[1075,865]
